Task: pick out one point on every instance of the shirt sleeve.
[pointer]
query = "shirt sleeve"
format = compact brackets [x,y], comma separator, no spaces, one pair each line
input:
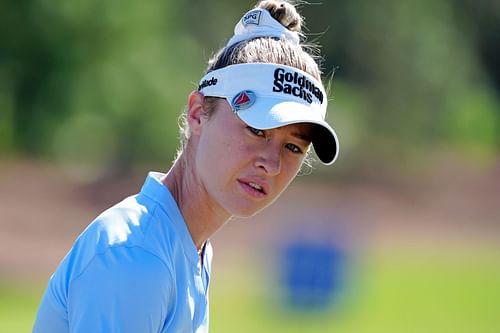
[125,289]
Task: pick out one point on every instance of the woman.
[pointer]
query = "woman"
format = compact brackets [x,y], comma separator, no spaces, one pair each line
[144,264]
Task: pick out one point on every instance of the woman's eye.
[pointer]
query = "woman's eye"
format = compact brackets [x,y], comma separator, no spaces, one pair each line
[256,131]
[293,148]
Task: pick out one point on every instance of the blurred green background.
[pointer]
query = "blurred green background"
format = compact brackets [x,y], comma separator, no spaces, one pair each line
[90,94]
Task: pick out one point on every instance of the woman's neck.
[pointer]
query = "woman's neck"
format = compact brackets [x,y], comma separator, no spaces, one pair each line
[203,216]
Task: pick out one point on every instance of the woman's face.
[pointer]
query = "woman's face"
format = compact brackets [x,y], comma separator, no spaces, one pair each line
[242,169]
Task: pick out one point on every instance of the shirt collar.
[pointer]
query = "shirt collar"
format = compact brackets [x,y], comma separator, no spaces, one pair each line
[157,191]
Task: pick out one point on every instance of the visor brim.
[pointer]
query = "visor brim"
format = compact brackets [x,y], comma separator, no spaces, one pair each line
[269,113]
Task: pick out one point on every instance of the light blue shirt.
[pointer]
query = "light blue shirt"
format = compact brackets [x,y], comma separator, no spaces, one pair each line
[134,269]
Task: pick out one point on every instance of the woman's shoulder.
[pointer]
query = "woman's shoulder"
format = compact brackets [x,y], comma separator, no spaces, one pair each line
[122,232]
[123,224]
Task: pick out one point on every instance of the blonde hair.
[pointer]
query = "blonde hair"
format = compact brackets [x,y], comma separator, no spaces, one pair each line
[264,50]
[283,12]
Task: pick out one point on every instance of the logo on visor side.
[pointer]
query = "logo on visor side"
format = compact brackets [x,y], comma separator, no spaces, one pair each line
[207,83]
[252,18]
[243,100]
[293,83]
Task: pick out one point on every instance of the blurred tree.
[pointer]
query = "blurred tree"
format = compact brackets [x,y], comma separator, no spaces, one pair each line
[480,20]
[409,63]
[98,83]
[101,83]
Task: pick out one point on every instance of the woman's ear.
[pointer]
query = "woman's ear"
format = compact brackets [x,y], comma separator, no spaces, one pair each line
[195,112]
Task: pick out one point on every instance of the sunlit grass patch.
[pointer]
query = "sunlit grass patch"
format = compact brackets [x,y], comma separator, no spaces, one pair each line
[18,305]
[390,291]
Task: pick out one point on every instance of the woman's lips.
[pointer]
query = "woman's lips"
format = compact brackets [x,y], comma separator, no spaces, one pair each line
[254,187]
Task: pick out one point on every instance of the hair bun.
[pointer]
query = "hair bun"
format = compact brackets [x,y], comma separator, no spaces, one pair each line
[283,12]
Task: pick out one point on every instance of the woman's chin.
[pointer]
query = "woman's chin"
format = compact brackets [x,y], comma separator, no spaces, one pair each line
[246,212]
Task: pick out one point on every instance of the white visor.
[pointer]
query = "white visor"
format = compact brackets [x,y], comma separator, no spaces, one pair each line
[267,96]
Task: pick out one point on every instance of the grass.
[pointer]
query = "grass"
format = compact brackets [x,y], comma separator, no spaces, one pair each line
[18,305]
[392,291]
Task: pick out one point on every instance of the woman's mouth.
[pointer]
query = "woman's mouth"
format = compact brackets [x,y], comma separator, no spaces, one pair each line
[253,188]
[256,186]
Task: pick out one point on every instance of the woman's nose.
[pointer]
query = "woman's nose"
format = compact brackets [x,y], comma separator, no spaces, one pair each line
[270,159]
